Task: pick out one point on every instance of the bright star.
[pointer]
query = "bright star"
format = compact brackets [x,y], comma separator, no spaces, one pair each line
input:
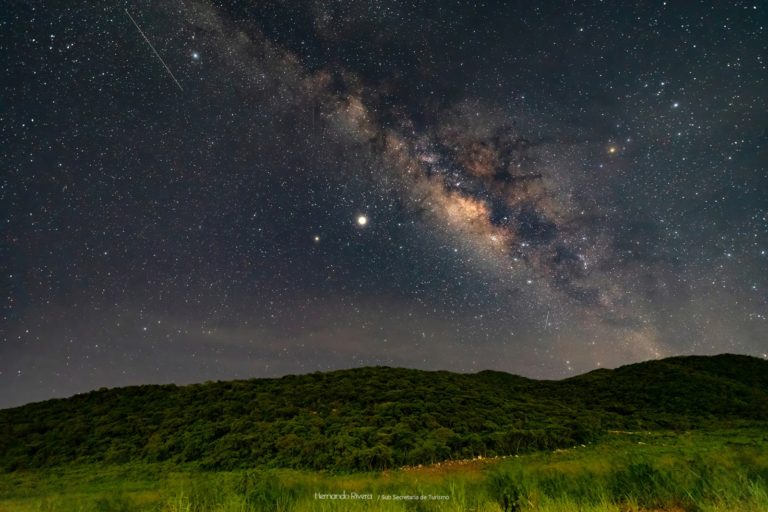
[195,56]
[362,220]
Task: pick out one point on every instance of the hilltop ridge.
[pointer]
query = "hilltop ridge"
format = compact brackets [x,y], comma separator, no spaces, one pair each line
[379,417]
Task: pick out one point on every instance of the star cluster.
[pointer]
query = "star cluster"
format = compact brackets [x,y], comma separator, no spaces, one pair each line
[197,191]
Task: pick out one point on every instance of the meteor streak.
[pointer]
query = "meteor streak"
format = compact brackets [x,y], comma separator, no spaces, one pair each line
[153,49]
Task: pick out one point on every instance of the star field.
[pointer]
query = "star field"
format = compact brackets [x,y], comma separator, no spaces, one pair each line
[194,191]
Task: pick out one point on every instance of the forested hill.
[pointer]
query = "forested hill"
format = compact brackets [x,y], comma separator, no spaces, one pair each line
[374,418]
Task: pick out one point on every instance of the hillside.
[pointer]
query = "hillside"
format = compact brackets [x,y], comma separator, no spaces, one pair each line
[375,418]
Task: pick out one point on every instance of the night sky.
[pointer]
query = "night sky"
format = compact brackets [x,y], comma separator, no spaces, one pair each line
[194,191]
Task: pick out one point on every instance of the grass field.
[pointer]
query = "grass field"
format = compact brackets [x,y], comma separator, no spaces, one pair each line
[697,471]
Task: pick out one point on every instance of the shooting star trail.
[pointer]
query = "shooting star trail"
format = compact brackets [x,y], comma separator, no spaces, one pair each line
[153,49]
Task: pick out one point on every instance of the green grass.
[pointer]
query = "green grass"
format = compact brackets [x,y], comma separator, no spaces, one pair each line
[716,471]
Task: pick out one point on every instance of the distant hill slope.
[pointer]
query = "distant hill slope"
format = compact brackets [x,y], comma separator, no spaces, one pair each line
[374,418]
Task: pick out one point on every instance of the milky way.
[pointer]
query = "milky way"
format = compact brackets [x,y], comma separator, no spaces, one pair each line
[287,187]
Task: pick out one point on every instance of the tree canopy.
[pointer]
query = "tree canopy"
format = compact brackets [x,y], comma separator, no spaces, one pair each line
[379,417]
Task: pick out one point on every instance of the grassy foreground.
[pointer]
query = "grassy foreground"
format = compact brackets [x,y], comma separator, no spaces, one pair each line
[696,471]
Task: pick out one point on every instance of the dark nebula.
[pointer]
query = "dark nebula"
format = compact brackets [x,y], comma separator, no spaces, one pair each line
[263,188]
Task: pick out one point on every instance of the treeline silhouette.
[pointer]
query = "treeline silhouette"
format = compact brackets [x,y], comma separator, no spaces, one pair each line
[378,417]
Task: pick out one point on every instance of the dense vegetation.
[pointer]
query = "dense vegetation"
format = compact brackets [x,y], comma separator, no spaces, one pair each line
[699,471]
[377,418]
